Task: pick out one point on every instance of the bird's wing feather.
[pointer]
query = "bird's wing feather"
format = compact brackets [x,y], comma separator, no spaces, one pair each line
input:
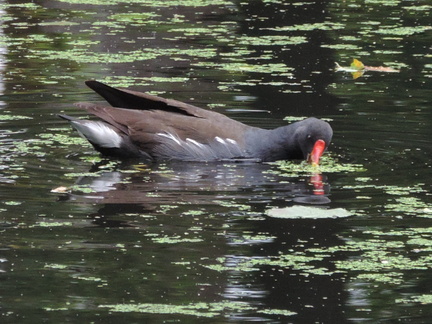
[124,98]
[142,125]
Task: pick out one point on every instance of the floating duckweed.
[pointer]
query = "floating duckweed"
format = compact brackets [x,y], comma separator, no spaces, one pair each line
[420,242]
[299,118]
[350,38]
[167,79]
[13,117]
[135,17]
[194,213]
[51,224]
[51,309]
[254,239]
[294,261]
[197,309]
[395,278]
[426,8]
[165,3]
[401,31]
[192,31]
[95,279]
[63,139]
[390,190]
[383,2]
[83,42]
[243,67]
[379,256]
[399,191]
[294,118]
[309,27]
[56,266]
[86,189]
[175,240]
[229,204]
[58,23]
[422,299]
[271,40]
[159,309]
[119,81]
[13,203]
[363,179]
[92,159]
[282,312]
[81,56]
[82,174]
[327,165]
[342,46]
[411,206]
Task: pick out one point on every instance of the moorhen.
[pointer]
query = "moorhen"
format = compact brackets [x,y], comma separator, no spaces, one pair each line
[146,126]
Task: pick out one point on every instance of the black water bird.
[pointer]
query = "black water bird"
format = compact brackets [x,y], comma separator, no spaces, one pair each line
[145,126]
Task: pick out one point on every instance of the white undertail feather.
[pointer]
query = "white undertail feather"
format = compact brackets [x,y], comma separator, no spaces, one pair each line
[98,133]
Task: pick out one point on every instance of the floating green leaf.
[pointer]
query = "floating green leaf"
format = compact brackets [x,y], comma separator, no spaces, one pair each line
[307,212]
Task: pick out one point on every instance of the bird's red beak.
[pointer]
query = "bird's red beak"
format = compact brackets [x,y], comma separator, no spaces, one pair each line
[317,152]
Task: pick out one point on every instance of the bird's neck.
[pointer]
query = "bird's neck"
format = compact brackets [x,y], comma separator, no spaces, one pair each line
[272,145]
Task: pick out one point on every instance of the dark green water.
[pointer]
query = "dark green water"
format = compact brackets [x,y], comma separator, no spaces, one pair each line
[179,242]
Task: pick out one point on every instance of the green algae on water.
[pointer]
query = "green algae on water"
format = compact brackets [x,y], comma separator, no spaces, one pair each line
[56,266]
[51,224]
[13,117]
[327,165]
[402,31]
[197,309]
[282,312]
[175,240]
[422,299]
[150,3]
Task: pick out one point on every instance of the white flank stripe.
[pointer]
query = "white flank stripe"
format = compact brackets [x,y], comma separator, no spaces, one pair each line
[194,142]
[170,136]
[220,140]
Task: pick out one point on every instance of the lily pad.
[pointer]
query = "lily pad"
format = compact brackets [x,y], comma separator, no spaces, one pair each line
[307,212]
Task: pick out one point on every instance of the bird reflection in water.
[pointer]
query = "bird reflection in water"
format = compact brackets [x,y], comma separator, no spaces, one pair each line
[319,192]
[148,187]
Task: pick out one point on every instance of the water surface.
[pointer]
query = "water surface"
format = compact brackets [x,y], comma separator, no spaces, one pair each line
[129,242]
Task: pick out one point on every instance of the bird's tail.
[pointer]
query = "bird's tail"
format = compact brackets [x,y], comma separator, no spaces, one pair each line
[98,133]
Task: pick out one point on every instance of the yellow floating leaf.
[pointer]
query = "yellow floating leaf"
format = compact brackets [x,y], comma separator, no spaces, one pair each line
[356,64]
[357,74]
